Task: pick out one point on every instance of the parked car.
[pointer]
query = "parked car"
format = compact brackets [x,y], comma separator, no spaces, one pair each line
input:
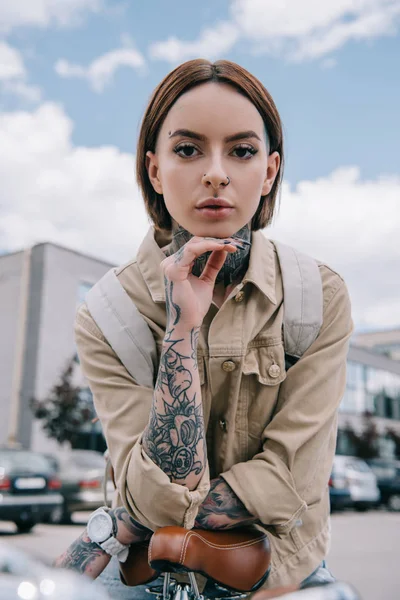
[81,473]
[339,491]
[387,473]
[360,480]
[29,489]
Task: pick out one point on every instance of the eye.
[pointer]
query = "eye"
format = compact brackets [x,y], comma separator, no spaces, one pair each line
[243,148]
[186,149]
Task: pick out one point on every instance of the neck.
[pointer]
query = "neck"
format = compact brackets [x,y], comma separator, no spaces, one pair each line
[235,265]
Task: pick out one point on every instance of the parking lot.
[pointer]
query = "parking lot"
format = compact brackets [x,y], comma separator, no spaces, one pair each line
[365,549]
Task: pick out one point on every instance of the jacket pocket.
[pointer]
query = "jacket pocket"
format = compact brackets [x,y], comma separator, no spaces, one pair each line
[263,372]
[267,363]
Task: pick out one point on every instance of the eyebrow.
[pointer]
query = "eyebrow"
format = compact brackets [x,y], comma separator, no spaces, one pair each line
[202,138]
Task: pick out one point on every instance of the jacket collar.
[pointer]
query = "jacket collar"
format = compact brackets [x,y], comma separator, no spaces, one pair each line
[261,271]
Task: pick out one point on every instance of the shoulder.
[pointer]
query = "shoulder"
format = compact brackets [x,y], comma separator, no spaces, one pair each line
[333,284]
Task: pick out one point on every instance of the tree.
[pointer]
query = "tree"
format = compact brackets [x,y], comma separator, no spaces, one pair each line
[66,409]
[365,443]
[395,436]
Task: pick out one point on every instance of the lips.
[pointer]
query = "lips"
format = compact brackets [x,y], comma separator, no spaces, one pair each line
[214,203]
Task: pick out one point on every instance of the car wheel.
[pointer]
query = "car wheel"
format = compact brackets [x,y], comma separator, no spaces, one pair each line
[56,516]
[65,517]
[25,526]
[394,502]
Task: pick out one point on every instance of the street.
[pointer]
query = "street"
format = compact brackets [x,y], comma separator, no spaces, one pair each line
[365,549]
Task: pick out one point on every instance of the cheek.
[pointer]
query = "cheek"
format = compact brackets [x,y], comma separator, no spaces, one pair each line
[250,180]
[176,179]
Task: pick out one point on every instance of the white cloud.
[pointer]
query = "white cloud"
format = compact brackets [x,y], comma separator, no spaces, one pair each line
[13,75]
[42,13]
[294,30]
[211,44]
[86,199]
[11,63]
[28,93]
[101,71]
[83,198]
[353,225]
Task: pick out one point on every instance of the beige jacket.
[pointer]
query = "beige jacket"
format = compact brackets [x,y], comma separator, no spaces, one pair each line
[270,433]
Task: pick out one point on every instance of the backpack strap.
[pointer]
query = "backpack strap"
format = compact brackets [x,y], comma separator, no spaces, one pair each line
[303,301]
[132,341]
[123,327]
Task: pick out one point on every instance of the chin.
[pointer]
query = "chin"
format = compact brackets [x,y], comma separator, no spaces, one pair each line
[217,230]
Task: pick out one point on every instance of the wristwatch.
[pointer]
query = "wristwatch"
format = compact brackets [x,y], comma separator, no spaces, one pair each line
[102,531]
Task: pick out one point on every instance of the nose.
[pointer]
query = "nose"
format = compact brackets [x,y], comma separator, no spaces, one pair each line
[215,176]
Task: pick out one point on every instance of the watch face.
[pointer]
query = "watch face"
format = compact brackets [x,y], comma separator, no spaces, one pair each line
[100,528]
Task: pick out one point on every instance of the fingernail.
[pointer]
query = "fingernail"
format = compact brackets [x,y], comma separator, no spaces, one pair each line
[242,241]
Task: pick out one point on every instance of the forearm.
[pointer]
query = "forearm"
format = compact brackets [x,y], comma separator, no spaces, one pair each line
[174,437]
[89,558]
[222,509]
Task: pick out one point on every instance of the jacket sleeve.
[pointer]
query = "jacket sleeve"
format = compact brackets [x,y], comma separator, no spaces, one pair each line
[123,408]
[284,478]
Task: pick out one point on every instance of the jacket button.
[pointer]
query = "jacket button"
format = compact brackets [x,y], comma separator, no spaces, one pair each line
[228,366]
[239,296]
[222,424]
[274,371]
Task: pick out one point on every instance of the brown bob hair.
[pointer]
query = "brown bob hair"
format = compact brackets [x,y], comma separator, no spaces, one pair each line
[183,78]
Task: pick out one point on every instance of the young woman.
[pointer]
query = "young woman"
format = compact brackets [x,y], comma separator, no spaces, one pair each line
[227,436]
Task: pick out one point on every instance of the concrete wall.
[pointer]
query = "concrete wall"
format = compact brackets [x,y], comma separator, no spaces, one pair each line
[10,284]
[57,273]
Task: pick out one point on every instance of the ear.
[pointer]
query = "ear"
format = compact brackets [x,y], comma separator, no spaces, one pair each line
[274,160]
[153,171]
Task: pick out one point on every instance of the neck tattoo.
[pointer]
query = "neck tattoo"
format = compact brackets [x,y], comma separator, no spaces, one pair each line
[235,265]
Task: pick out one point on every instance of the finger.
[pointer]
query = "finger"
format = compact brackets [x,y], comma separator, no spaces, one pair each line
[213,266]
[188,253]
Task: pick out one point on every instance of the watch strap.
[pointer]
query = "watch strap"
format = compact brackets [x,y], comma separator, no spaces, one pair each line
[113,547]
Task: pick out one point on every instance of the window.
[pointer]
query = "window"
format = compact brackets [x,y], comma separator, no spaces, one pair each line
[373,390]
[354,396]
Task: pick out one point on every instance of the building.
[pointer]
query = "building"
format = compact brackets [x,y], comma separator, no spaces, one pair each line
[385,342]
[372,387]
[40,290]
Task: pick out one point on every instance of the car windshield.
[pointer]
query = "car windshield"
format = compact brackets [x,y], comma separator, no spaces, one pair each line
[358,465]
[21,460]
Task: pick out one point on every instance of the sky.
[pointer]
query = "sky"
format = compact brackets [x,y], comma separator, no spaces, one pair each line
[75,78]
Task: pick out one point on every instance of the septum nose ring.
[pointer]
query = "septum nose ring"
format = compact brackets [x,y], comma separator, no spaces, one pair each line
[222,183]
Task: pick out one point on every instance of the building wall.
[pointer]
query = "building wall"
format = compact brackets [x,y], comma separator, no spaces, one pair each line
[59,274]
[373,388]
[10,284]
[385,342]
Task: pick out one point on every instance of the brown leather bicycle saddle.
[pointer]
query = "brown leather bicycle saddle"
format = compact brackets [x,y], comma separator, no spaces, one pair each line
[238,559]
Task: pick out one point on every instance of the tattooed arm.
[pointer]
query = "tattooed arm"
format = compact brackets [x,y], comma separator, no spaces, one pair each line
[222,509]
[174,436]
[89,558]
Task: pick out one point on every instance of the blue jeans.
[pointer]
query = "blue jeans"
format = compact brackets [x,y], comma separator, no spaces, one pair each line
[321,575]
[118,591]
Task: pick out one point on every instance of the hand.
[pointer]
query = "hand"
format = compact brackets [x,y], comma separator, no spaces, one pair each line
[189,297]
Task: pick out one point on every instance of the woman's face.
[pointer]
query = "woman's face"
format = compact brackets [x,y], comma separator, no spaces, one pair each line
[194,157]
